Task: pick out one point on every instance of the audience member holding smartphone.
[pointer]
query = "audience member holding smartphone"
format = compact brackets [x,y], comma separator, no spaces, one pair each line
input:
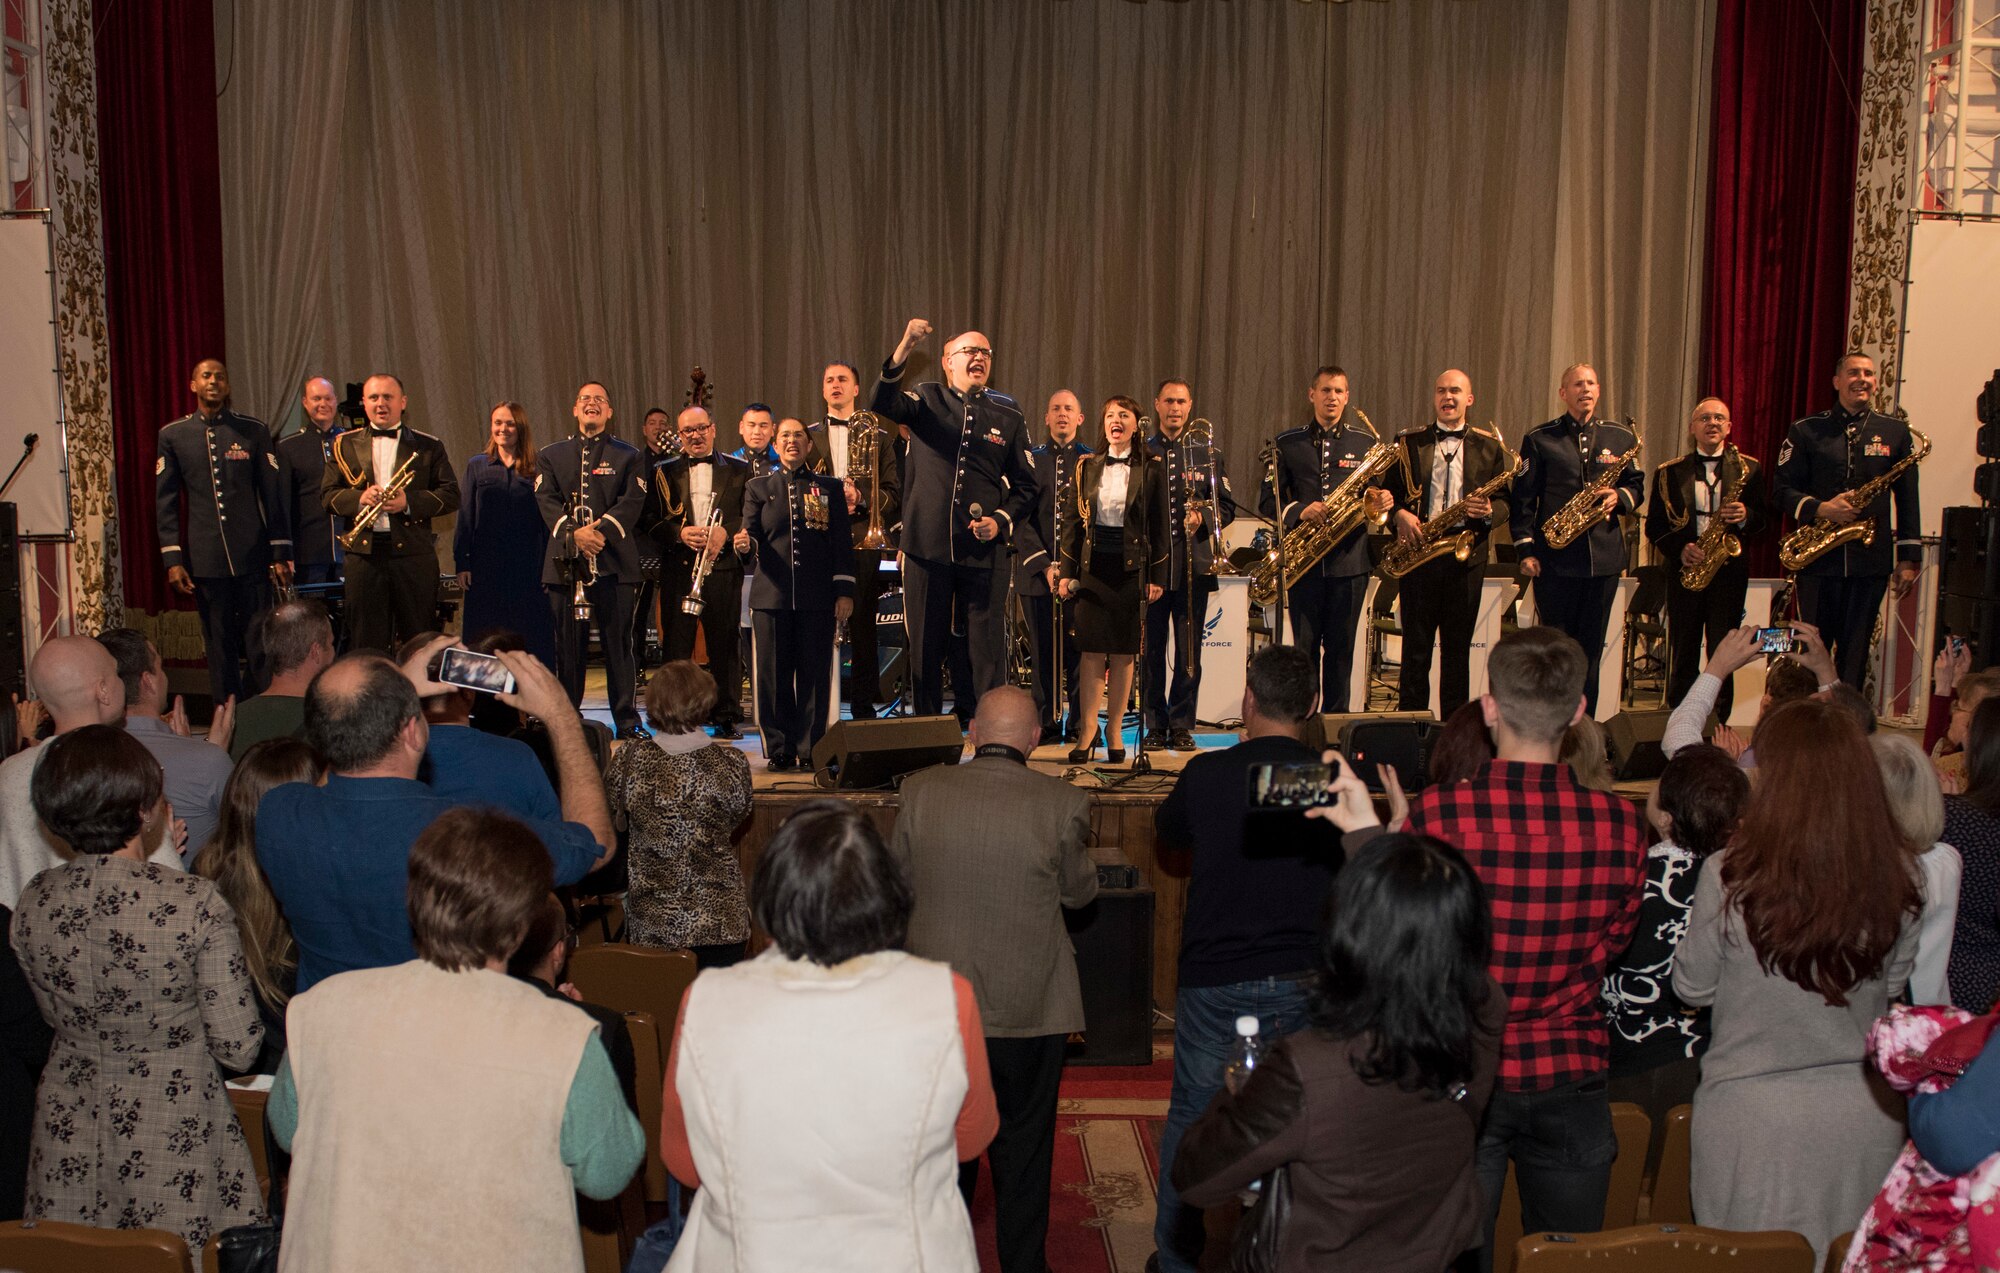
[470,766]
[1807,671]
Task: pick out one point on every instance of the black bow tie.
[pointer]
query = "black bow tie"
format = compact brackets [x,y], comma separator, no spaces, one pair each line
[1117,459]
[374,432]
[701,459]
[1708,459]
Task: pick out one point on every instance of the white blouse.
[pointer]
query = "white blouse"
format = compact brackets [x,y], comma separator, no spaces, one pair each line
[1113,491]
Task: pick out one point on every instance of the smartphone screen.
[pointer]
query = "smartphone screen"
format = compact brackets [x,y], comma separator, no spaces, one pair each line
[474,671]
[1775,640]
[1298,784]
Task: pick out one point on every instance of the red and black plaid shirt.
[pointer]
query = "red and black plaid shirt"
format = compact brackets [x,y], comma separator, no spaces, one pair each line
[1564,869]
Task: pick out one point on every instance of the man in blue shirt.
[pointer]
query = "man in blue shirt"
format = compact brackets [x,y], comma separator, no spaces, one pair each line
[472,767]
[338,855]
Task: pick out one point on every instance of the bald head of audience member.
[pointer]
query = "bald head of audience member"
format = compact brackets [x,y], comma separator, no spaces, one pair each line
[364,719]
[1006,715]
[77,680]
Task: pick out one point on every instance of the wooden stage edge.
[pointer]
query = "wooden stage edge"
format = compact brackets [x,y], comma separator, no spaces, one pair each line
[1121,818]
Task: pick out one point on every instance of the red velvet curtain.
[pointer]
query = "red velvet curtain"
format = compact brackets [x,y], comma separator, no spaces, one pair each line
[158,162]
[1781,215]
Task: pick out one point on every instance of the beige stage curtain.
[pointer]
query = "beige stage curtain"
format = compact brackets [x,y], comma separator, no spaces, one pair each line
[500,198]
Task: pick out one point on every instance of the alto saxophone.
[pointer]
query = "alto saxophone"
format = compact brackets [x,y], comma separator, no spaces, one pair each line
[1306,543]
[1808,544]
[1716,543]
[1435,538]
[1586,508]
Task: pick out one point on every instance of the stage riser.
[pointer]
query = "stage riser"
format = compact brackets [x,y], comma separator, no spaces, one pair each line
[1124,822]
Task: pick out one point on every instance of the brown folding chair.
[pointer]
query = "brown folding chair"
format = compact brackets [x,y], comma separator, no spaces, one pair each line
[1836,1252]
[250,1112]
[1664,1248]
[1673,1203]
[649,1065]
[635,979]
[1632,1128]
[51,1246]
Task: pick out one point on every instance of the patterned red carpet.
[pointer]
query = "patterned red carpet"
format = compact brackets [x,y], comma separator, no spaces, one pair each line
[1107,1153]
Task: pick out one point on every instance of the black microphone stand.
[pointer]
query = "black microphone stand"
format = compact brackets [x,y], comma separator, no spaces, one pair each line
[1141,455]
[1273,473]
[28,444]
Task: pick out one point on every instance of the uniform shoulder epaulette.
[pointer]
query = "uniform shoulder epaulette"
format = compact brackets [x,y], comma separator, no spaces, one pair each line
[1543,427]
[737,460]
[1414,429]
[419,433]
[1002,398]
[1292,433]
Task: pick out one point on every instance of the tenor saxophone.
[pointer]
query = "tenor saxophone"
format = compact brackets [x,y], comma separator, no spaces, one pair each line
[1306,543]
[1435,537]
[1809,543]
[1716,543]
[1586,508]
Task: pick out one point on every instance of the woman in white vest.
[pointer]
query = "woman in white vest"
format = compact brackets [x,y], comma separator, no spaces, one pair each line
[823,1094]
[442,1115]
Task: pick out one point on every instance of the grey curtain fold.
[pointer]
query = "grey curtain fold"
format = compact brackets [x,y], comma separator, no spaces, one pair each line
[501,198]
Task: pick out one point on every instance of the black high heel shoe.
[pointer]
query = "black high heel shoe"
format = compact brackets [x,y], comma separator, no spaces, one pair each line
[1082,755]
[1116,755]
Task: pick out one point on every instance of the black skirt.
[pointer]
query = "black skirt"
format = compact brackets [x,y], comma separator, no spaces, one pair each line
[1108,597]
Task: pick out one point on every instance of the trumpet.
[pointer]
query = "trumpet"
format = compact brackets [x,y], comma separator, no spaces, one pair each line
[364,517]
[1586,508]
[581,564]
[864,469]
[703,563]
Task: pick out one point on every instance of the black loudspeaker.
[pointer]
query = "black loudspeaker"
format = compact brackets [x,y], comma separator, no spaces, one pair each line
[1401,742]
[1113,937]
[13,615]
[1328,728]
[873,753]
[1634,742]
[1977,620]
[1969,556]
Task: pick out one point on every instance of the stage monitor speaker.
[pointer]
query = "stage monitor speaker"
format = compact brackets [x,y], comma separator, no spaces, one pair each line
[1402,742]
[1326,729]
[1113,937]
[1634,742]
[1969,556]
[13,615]
[873,753]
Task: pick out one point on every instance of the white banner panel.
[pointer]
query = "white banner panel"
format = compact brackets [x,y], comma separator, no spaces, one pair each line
[31,387]
[1950,349]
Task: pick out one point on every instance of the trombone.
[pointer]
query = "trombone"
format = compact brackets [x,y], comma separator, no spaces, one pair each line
[864,469]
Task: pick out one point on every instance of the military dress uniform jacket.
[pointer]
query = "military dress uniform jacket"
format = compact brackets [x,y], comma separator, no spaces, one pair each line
[1672,522]
[1312,463]
[800,535]
[1558,458]
[669,512]
[302,463]
[1145,538]
[612,477]
[1482,457]
[820,460]
[1833,452]
[1037,544]
[432,492]
[1178,484]
[963,451]
[760,462]
[238,522]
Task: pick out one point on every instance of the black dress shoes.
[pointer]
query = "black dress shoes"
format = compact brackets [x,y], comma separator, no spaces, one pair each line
[1156,740]
[726,730]
[780,764]
[634,731]
[1181,740]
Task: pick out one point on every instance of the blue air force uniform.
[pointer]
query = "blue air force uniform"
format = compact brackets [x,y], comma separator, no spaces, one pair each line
[799,532]
[1577,585]
[1325,604]
[1036,548]
[1826,455]
[238,523]
[302,461]
[606,479]
[964,451]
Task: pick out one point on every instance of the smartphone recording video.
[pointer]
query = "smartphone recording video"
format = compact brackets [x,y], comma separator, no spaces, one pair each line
[1776,641]
[1298,784]
[470,670]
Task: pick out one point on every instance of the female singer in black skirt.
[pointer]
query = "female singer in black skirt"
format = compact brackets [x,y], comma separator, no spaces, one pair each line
[1114,561]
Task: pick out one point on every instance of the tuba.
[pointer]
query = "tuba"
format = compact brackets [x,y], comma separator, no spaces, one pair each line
[1585,509]
[1435,537]
[1716,543]
[1808,544]
[864,469]
[1304,545]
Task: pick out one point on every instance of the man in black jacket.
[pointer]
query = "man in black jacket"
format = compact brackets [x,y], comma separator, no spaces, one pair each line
[302,461]
[392,573]
[592,490]
[1823,459]
[969,481]
[1053,653]
[1576,584]
[687,491]
[1189,466]
[1714,480]
[879,506]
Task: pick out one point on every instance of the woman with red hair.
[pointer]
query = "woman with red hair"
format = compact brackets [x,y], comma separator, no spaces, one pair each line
[1801,932]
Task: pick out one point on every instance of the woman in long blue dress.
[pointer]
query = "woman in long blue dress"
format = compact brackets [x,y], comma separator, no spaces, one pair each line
[501,538]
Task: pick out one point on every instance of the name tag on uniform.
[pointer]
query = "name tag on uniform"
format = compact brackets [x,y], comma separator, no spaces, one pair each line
[816,508]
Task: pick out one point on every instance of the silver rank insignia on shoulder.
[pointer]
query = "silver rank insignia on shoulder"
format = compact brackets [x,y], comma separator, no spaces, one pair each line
[159,466]
[272,456]
[1785,452]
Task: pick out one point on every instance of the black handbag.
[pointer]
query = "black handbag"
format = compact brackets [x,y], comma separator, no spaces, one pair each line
[1254,1249]
[248,1248]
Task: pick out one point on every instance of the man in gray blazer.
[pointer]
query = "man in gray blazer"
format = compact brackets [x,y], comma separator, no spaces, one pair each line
[995,851]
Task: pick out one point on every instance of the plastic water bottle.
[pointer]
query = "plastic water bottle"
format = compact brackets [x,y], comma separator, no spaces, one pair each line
[1243,1058]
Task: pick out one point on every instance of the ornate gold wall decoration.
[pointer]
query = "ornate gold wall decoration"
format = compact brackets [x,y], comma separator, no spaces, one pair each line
[1885,168]
[95,589]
